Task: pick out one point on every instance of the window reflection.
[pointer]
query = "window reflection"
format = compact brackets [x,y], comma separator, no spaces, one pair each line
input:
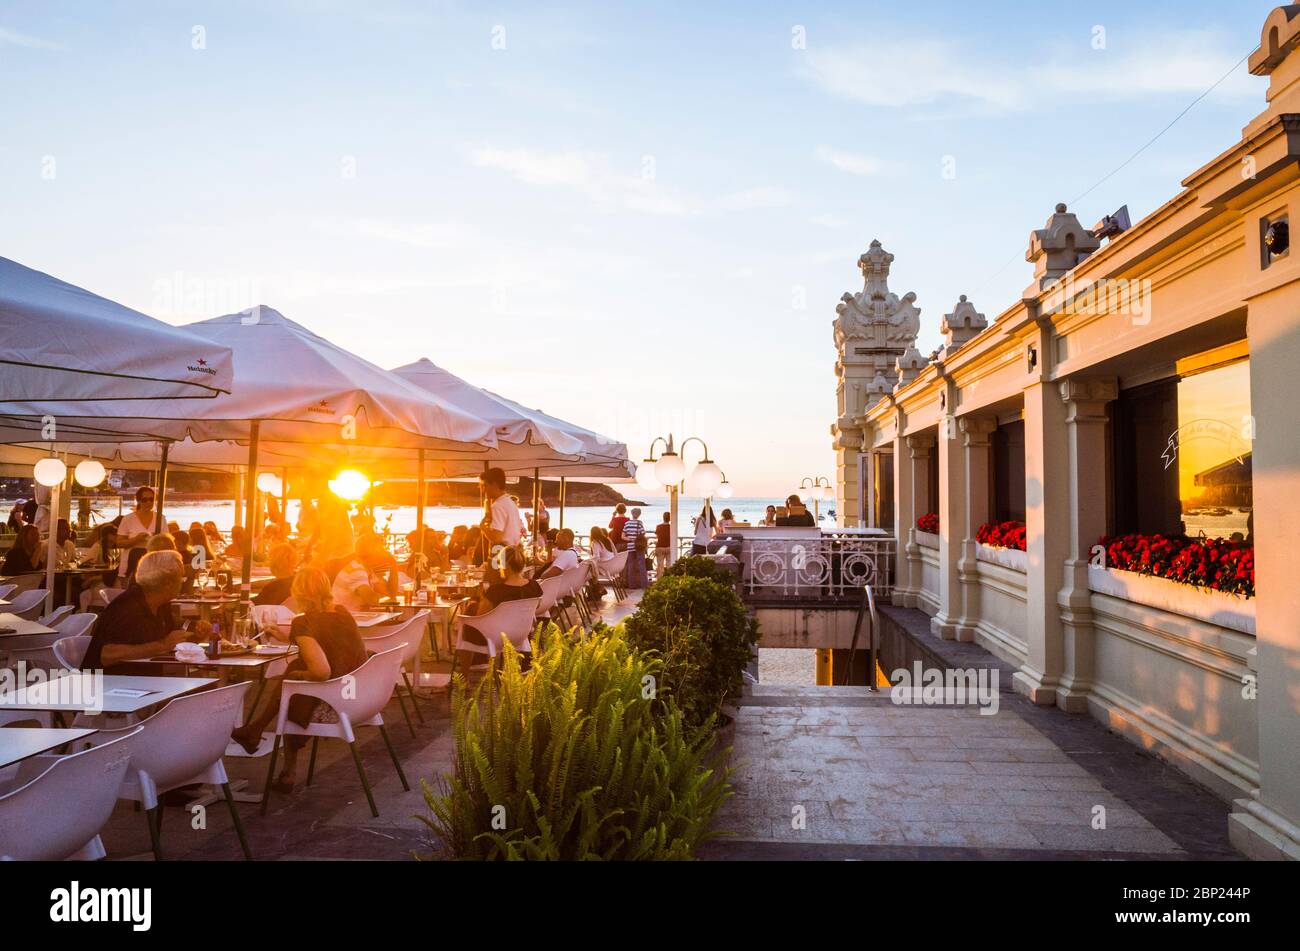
[1212,448]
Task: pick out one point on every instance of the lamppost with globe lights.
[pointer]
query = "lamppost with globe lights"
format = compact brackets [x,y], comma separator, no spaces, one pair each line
[818,489]
[52,473]
[669,471]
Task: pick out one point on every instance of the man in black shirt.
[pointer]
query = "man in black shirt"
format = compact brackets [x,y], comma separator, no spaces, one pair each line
[798,515]
[135,624]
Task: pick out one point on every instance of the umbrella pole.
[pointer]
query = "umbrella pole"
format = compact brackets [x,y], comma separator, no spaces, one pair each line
[51,546]
[250,487]
[537,495]
[419,521]
[563,486]
[159,522]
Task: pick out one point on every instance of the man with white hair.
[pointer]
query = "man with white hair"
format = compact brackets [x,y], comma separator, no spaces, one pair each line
[136,623]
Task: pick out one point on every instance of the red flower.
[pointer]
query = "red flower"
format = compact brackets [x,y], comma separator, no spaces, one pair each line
[1214,563]
[929,523]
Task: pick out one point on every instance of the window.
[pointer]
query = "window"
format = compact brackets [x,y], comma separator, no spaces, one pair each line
[883,483]
[1009,472]
[1183,451]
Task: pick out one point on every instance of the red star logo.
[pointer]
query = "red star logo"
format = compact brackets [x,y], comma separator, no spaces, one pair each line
[202,362]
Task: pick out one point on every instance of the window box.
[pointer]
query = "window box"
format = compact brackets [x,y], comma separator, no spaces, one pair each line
[1231,611]
[1012,558]
[926,539]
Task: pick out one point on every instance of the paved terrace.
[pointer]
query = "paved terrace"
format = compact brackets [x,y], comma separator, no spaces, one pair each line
[874,780]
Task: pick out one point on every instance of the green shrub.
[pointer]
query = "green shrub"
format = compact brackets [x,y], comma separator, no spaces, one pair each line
[705,638]
[574,762]
[697,566]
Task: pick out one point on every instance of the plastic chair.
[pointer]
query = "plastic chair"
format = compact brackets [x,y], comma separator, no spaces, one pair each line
[575,582]
[36,651]
[58,614]
[513,621]
[358,699]
[70,651]
[611,570]
[7,589]
[552,592]
[181,744]
[275,618]
[74,625]
[27,581]
[409,635]
[99,597]
[26,604]
[57,813]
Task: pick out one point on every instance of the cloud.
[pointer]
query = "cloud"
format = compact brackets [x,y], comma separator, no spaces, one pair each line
[917,73]
[12,38]
[849,162]
[608,187]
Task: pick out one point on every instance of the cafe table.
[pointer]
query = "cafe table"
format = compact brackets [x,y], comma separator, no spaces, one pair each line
[11,625]
[121,696]
[70,573]
[19,743]
[222,603]
[257,663]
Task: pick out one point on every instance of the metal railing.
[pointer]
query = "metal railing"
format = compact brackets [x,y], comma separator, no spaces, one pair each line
[833,568]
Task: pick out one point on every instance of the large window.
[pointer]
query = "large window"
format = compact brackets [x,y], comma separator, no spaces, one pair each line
[883,483]
[1009,472]
[1183,451]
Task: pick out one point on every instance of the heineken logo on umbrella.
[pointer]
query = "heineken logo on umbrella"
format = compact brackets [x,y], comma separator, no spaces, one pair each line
[201,366]
[322,407]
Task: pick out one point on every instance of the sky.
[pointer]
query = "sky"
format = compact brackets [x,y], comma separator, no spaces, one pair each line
[638,217]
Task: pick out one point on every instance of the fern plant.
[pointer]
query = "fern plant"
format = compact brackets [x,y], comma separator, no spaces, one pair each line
[574,760]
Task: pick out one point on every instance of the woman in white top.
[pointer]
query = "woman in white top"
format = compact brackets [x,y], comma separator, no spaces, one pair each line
[704,523]
[135,530]
[65,546]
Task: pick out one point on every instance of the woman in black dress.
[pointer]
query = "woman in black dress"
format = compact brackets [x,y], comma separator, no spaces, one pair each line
[515,586]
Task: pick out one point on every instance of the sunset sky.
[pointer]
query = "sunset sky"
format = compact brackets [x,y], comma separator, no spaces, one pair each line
[639,218]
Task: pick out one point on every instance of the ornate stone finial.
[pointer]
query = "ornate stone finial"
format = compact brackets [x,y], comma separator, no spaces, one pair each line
[909,366]
[1058,248]
[875,314]
[962,325]
[1279,38]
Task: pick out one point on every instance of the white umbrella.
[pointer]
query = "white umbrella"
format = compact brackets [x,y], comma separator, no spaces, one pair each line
[59,342]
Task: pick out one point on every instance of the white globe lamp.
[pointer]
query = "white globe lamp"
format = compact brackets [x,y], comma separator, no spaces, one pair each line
[669,469]
[89,473]
[725,490]
[647,477]
[706,478]
[269,483]
[50,472]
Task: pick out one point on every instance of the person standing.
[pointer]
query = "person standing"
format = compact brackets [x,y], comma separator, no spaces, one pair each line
[663,544]
[134,532]
[634,574]
[704,525]
[616,526]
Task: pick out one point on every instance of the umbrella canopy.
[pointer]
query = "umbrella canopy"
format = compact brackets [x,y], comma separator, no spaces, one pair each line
[60,342]
[527,438]
[302,389]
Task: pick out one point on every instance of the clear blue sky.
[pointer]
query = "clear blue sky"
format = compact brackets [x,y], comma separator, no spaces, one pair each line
[616,216]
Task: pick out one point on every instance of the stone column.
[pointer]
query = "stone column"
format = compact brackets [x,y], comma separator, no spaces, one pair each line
[1085,418]
[1047,530]
[848,445]
[978,464]
[952,526]
[911,491]
[1268,824]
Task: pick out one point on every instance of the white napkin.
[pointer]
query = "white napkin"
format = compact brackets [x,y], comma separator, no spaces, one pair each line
[188,652]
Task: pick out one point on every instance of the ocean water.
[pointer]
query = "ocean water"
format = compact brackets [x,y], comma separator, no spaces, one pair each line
[401,518]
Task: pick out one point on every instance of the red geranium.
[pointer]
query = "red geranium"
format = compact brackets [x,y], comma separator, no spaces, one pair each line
[1214,563]
[929,523]
[1002,535]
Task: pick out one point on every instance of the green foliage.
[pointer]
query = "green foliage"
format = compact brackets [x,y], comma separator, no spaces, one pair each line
[697,566]
[705,638]
[573,760]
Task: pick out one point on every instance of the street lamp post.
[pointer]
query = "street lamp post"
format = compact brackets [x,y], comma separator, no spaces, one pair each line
[669,471]
[820,489]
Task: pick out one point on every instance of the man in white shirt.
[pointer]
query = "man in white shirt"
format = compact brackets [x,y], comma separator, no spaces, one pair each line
[502,524]
[366,577]
[135,530]
[565,557]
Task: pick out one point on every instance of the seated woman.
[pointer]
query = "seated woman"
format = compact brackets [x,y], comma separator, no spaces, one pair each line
[602,550]
[329,646]
[284,562]
[23,557]
[238,546]
[215,542]
[65,544]
[103,551]
[514,587]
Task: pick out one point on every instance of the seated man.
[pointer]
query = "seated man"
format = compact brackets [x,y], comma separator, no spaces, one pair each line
[564,557]
[369,575]
[798,517]
[136,624]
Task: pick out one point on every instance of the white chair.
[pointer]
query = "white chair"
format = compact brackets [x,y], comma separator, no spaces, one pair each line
[70,651]
[26,604]
[75,625]
[275,618]
[57,812]
[409,635]
[181,744]
[513,621]
[35,651]
[27,581]
[358,699]
[611,570]
[98,597]
[552,592]
[575,593]
[7,589]
[58,614]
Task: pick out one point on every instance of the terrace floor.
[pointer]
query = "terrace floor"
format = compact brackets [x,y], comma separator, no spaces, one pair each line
[872,780]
